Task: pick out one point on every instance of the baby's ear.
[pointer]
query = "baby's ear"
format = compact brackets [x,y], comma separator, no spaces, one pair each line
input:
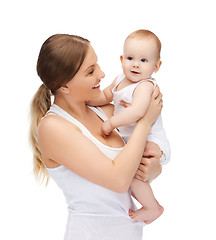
[121,58]
[157,65]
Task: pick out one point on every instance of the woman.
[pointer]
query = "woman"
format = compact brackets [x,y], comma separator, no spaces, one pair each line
[93,171]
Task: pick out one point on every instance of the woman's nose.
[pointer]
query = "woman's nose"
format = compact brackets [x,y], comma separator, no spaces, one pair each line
[102,74]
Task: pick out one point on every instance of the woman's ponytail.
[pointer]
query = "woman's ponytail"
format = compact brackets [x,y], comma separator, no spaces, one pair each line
[60,58]
[41,103]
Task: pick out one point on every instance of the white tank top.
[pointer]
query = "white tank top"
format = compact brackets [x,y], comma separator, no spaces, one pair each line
[93,208]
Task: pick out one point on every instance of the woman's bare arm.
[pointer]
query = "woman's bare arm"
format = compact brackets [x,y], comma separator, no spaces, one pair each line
[61,141]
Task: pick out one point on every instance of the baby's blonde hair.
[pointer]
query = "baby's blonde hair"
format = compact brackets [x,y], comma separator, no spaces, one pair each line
[143,34]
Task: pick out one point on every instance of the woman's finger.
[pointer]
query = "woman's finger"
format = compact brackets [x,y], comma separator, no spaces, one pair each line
[138,177]
[161,102]
[145,161]
[141,168]
[140,172]
[141,177]
[159,97]
[156,92]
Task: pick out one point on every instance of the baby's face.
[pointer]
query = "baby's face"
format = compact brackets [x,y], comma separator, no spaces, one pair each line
[140,59]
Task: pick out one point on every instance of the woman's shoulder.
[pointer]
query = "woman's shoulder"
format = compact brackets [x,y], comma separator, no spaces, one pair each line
[56,130]
[108,109]
[51,123]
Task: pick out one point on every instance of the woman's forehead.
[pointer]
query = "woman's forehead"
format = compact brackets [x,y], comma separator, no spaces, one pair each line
[90,59]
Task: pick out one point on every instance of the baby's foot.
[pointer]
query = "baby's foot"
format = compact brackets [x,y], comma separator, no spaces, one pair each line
[146,215]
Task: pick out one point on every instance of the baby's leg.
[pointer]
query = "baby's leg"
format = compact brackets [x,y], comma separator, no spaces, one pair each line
[151,209]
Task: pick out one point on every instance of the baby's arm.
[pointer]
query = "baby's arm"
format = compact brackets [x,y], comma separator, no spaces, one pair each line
[141,99]
[106,96]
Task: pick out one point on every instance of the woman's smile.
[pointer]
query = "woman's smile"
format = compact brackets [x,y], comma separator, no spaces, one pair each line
[97,86]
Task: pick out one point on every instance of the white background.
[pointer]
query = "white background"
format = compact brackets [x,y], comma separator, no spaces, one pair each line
[186,29]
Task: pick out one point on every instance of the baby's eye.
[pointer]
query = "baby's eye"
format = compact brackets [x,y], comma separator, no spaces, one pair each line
[130,58]
[143,60]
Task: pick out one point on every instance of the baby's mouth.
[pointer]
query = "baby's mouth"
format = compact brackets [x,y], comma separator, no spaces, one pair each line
[134,72]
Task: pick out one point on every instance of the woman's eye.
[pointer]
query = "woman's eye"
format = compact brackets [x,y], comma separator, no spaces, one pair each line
[143,60]
[130,58]
[91,72]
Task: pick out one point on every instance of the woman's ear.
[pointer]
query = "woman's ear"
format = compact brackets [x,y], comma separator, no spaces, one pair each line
[157,65]
[64,89]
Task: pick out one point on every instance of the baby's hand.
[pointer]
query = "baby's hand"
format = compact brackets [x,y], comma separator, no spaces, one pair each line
[106,128]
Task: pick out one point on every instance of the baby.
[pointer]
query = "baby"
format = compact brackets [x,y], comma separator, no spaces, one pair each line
[141,58]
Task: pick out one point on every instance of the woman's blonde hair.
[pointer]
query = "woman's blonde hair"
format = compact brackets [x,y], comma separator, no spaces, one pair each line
[60,58]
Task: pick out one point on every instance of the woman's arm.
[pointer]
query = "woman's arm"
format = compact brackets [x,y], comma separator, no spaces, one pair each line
[61,141]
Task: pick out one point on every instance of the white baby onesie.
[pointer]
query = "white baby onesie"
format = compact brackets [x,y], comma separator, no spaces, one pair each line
[157,134]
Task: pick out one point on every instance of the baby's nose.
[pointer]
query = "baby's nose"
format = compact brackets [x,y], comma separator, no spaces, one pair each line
[136,64]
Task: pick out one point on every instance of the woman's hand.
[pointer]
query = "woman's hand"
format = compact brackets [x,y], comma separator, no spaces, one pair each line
[150,166]
[154,108]
[149,169]
[152,150]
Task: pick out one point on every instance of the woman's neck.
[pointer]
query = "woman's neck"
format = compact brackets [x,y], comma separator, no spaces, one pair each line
[78,110]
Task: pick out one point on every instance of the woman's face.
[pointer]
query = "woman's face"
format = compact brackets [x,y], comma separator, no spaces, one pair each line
[85,85]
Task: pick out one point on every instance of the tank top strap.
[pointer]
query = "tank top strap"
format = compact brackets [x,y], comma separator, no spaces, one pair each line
[149,80]
[49,113]
[118,80]
[56,110]
[99,112]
